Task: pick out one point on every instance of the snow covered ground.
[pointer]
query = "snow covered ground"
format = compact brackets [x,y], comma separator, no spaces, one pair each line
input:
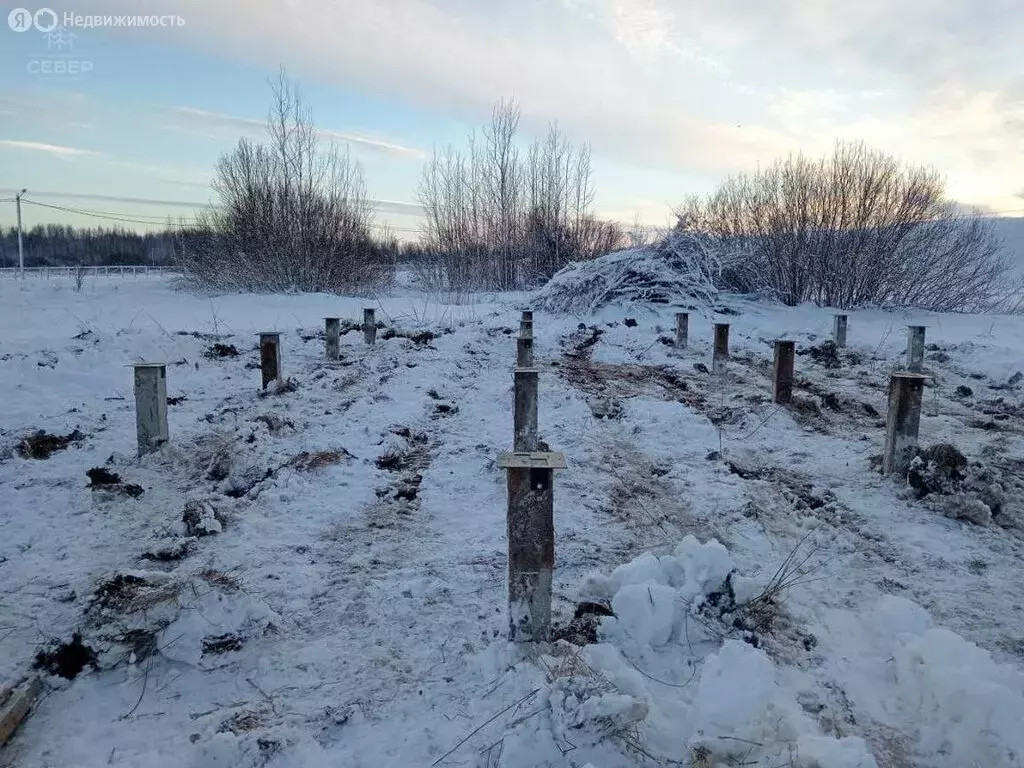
[350,612]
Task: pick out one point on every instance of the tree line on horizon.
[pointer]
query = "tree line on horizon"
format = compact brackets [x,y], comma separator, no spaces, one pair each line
[855,228]
[57,245]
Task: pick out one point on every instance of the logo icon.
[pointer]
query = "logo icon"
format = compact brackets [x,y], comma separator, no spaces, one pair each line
[45,20]
[60,39]
[20,20]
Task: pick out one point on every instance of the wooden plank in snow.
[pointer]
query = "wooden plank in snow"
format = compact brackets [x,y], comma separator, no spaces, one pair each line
[16,705]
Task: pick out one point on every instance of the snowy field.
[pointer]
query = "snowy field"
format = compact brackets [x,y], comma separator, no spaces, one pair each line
[776,601]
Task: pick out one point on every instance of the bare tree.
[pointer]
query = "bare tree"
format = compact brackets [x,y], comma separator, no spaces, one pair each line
[501,217]
[79,272]
[292,213]
[853,229]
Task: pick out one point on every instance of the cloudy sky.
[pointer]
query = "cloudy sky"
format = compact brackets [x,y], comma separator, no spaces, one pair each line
[672,95]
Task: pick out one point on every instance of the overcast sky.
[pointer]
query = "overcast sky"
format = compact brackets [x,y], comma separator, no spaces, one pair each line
[672,95]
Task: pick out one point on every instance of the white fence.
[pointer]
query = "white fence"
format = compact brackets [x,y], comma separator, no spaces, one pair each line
[111,271]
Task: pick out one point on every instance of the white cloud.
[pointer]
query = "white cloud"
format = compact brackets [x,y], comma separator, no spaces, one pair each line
[53,149]
[228,126]
[666,82]
[59,108]
[376,145]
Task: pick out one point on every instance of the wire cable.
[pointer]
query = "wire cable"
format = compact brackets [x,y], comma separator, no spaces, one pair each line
[156,221]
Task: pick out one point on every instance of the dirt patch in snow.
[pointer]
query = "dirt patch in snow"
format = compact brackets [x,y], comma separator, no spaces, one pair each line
[102,479]
[619,380]
[802,494]
[413,455]
[407,461]
[275,424]
[443,410]
[218,644]
[307,461]
[944,478]
[202,518]
[243,722]
[219,350]
[420,338]
[225,582]
[999,415]
[583,340]
[582,629]
[280,387]
[41,445]
[67,659]
[129,593]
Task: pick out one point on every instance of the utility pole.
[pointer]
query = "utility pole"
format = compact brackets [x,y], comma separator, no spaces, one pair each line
[21,250]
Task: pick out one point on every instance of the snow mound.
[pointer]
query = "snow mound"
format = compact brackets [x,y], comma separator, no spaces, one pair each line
[970,707]
[661,677]
[953,702]
[679,270]
[662,670]
[741,712]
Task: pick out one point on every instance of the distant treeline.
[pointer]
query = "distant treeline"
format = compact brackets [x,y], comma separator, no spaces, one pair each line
[61,245]
[58,245]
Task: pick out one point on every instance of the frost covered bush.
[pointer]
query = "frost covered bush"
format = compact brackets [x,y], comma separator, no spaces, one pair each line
[856,228]
[500,217]
[291,215]
[679,270]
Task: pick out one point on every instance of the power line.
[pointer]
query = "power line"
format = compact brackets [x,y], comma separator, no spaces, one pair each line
[92,212]
[116,199]
[126,218]
[385,205]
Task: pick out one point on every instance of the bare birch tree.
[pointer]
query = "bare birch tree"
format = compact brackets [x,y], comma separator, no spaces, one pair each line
[498,216]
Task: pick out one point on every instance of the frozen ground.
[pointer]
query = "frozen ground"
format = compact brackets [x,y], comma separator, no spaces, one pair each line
[351,610]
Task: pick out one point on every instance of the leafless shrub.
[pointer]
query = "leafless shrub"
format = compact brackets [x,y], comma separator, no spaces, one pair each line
[798,568]
[292,214]
[78,273]
[857,228]
[500,218]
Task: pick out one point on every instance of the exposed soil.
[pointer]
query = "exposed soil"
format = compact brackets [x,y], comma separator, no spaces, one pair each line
[216,644]
[67,659]
[41,445]
[219,350]
[308,461]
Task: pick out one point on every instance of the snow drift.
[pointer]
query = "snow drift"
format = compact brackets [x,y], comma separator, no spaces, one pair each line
[663,676]
[678,271]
